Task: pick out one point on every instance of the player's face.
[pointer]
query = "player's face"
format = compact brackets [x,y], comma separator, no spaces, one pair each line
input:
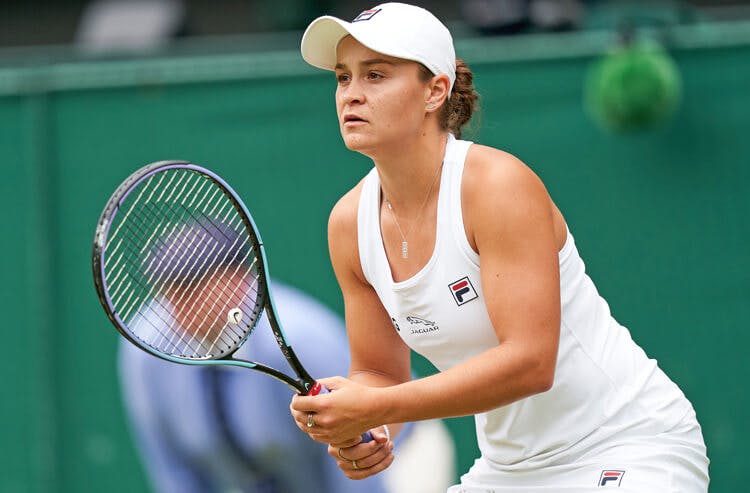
[380,100]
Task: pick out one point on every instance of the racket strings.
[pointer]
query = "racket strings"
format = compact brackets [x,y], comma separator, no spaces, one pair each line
[168,340]
[215,293]
[141,221]
[218,305]
[210,295]
[225,261]
[178,260]
[206,343]
[132,226]
[143,226]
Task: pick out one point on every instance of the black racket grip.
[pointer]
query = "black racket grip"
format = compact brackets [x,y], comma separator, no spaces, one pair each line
[319,389]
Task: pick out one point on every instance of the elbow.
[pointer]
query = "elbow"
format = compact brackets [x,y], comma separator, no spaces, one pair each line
[543,365]
[543,377]
[545,381]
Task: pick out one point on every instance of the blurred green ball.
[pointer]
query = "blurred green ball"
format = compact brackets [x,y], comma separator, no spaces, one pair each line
[634,87]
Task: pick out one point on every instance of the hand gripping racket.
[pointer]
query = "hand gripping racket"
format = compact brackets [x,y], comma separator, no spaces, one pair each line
[180,270]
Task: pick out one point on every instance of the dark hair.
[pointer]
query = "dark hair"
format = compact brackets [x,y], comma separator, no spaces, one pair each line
[459,107]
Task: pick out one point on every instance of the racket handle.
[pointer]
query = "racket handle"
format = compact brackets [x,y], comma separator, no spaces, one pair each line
[319,389]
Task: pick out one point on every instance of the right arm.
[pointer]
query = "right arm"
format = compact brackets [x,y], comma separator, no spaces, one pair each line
[379,358]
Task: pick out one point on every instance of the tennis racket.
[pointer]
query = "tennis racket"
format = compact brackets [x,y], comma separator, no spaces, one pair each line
[180,270]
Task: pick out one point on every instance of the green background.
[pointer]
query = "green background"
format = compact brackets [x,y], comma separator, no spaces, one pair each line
[661,217]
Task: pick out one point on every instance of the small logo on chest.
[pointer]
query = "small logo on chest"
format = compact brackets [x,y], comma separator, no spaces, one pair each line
[463,291]
[421,325]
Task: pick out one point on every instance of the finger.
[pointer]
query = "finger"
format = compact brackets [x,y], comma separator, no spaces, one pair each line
[307,403]
[366,455]
[301,420]
[346,443]
[354,452]
[339,453]
[331,383]
[318,438]
[373,456]
[379,434]
[324,431]
[351,442]
[364,472]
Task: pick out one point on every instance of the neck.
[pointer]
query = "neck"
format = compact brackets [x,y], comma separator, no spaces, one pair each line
[407,171]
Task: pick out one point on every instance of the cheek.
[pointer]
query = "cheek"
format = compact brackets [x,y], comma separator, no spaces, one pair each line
[337,103]
[405,108]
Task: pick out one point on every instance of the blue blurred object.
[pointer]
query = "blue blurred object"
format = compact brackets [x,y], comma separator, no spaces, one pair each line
[215,238]
[218,430]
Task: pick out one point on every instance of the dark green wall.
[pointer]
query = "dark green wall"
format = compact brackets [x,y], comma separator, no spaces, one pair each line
[660,218]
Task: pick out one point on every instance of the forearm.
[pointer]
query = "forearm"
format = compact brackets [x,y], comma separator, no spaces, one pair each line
[496,377]
[503,374]
[377,379]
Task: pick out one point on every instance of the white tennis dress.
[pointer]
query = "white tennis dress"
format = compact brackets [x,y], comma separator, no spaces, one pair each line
[611,419]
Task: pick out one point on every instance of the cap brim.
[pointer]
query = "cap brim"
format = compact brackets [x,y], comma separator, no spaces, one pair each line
[320,40]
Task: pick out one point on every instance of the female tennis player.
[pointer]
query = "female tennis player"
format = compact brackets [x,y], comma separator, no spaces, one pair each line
[456,251]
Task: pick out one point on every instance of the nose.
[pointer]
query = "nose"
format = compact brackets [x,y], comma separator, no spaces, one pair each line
[351,93]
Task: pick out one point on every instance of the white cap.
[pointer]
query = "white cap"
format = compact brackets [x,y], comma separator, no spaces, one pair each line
[394,29]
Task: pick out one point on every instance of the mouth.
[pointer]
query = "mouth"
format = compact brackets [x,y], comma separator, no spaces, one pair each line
[352,120]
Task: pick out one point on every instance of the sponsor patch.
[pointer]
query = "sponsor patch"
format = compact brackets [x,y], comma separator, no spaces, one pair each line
[421,325]
[463,291]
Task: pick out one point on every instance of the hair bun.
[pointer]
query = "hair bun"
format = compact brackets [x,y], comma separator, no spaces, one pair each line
[460,106]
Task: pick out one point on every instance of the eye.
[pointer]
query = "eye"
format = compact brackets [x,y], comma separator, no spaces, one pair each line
[342,78]
[374,75]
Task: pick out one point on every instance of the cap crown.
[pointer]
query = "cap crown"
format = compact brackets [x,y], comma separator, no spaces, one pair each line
[395,29]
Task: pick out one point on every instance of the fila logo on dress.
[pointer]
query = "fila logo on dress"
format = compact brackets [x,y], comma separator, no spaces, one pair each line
[611,478]
[463,291]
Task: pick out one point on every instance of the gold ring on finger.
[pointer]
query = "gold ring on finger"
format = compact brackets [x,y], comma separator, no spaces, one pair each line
[310,422]
[354,465]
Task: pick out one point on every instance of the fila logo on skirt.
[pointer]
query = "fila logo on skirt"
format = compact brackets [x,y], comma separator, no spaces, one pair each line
[611,478]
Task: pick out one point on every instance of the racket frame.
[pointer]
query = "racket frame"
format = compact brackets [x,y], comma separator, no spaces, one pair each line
[304,384]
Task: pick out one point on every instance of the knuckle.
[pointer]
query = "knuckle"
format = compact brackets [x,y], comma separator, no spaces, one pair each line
[388,461]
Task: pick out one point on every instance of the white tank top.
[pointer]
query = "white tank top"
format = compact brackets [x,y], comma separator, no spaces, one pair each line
[605,387]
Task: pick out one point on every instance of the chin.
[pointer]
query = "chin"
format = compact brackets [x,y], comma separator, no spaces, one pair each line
[358,143]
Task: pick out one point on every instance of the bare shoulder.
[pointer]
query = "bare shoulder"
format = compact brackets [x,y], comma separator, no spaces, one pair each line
[498,185]
[342,234]
[343,217]
[497,179]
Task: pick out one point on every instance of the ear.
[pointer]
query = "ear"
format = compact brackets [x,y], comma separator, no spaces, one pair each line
[436,92]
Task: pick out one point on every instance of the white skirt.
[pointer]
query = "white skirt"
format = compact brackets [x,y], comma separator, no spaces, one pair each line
[672,462]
